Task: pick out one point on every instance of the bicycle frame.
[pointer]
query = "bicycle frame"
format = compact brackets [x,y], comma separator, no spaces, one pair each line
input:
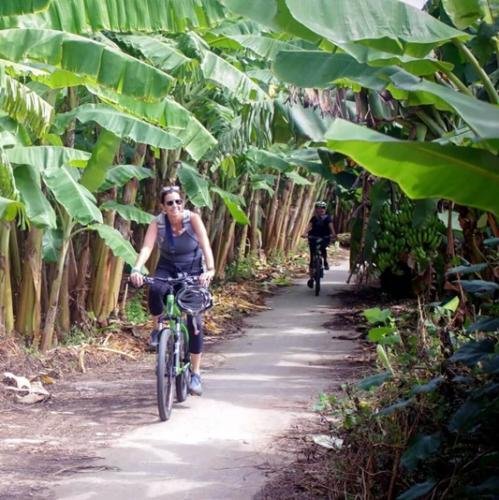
[173,318]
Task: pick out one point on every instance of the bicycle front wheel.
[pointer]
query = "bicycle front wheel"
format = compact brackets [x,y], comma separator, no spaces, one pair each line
[165,374]
[317,274]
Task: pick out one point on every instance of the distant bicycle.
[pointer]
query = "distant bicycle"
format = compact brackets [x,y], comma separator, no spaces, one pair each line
[184,296]
[317,264]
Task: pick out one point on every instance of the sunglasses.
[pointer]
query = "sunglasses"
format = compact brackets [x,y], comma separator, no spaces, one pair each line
[170,189]
[170,203]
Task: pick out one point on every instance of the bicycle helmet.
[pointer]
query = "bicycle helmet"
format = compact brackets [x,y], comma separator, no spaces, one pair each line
[194,299]
[320,204]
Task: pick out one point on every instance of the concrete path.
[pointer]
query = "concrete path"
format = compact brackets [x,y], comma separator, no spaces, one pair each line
[218,446]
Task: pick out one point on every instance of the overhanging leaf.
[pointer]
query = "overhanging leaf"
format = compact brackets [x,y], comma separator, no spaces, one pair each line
[387,25]
[24,105]
[121,124]
[102,158]
[195,186]
[75,198]
[233,204]
[43,157]
[160,52]
[115,241]
[221,72]
[128,212]
[81,56]
[88,16]
[119,175]
[423,170]
[38,209]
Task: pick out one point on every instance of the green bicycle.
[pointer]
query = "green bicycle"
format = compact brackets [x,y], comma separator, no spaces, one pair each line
[183,297]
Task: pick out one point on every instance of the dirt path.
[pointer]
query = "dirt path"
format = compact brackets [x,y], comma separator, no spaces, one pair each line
[218,446]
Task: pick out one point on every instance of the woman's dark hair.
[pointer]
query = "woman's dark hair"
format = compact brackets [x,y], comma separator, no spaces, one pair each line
[170,189]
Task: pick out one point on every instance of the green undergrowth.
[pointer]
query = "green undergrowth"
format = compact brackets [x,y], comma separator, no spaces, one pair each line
[424,424]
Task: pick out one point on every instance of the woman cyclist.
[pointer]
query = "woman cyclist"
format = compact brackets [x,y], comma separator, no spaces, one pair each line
[183,243]
[319,226]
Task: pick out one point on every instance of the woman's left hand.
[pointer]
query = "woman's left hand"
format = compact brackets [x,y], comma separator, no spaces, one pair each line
[206,277]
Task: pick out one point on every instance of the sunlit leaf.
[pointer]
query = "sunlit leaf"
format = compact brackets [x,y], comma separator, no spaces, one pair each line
[115,241]
[423,170]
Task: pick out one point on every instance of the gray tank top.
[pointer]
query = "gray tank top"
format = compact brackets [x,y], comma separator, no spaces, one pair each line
[186,249]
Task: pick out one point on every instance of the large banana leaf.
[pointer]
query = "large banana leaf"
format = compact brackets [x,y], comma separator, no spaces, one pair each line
[24,105]
[234,205]
[86,16]
[38,209]
[467,176]
[316,69]
[274,14]
[387,25]
[77,55]
[320,69]
[128,212]
[75,198]
[120,124]
[42,157]
[19,7]
[101,160]
[226,75]
[159,51]
[195,186]
[416,65]
[119,175]
[481,116]
[264,46]
[116,243]
[464,13]
[167,113]
[196,139]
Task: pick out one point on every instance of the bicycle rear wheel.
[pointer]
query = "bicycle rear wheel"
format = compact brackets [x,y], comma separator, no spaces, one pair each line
[164,374]
[182,379]
[317,274]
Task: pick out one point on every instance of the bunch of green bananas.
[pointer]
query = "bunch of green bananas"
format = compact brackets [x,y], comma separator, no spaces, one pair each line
[399,243]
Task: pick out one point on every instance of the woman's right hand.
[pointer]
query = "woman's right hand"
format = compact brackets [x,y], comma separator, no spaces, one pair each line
[137,279]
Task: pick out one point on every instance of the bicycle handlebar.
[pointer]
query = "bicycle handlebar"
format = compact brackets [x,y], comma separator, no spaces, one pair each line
[185,278]
[171,281]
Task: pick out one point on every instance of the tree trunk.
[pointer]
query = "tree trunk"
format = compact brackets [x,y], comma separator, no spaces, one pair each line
[271,216]
[28,317]
[229,238]
[283,233]
[6,308]
[55,286]
[294,221]
[254,233]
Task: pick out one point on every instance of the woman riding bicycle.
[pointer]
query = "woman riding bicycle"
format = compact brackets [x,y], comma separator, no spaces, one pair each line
[183,243]
[319,226]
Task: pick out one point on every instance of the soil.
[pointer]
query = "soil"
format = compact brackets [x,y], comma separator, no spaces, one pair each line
[87,412]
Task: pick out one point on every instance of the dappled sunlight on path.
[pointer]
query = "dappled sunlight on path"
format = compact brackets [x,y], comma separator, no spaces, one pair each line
[220,445]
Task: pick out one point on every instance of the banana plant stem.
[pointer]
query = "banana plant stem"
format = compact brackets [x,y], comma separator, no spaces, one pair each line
[489,87]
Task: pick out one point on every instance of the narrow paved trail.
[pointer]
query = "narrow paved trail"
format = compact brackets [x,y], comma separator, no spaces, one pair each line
[219,446]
